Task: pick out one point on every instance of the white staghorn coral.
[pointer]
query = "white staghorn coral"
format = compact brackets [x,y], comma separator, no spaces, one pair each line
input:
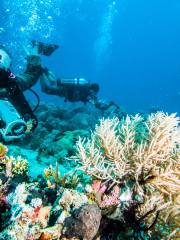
[113,152]
[143,154]
[105,155]
[157,160]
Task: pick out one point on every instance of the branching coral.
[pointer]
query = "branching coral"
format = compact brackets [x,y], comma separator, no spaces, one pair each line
[157,160]
[10,165]
[53,177]
[140,153]
[107,154]
[20,166]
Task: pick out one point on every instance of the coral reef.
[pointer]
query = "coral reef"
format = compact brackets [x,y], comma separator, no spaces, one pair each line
[145,163]
[37,210]
[13,166]
[60,126]
[124,181]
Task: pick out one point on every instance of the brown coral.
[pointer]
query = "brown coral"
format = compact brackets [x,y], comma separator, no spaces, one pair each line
[85,222]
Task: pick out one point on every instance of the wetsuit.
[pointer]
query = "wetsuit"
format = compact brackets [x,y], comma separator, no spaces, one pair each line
[32,73]
[72,89]
[12,87]
[25,80]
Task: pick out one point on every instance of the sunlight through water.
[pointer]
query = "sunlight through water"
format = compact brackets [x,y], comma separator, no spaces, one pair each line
[104,40]
[26,20]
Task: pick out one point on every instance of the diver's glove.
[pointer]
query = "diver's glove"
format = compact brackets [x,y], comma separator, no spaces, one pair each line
[33,60]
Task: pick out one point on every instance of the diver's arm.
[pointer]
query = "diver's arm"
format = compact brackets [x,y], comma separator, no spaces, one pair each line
[32,73]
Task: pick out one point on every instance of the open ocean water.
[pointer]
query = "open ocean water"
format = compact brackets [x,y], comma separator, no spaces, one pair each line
[131,48]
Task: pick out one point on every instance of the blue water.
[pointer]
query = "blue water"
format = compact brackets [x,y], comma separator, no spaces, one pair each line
[131,48]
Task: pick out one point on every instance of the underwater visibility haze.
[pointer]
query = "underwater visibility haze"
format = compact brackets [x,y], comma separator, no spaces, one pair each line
[92,152]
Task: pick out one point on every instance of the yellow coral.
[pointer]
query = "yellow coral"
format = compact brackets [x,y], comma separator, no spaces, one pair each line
[8,161]
[20,166]
[53,177]
[3,151]
[47,173]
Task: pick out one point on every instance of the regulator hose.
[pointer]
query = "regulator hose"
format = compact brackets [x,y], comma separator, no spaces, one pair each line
[38,99]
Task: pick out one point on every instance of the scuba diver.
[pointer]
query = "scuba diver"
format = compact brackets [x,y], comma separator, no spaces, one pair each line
[72,89]
[16,116]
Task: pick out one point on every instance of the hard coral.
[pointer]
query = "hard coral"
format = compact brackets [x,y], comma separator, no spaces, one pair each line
[53,177]
[12,166]
[142,154]
[3,151]
[113,153]
[103,196]
[85,222]
[20,166]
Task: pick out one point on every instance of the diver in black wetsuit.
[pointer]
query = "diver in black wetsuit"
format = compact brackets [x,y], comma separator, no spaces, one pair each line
[72,89]
[16,115]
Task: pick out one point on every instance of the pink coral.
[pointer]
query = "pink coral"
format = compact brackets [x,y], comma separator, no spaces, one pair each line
[98,187]
[111,199]
[105,200]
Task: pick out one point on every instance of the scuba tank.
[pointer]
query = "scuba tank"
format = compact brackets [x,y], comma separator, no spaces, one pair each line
[74,81]
[50,79]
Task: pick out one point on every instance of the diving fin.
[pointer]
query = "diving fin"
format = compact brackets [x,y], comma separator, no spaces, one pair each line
[44,48]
